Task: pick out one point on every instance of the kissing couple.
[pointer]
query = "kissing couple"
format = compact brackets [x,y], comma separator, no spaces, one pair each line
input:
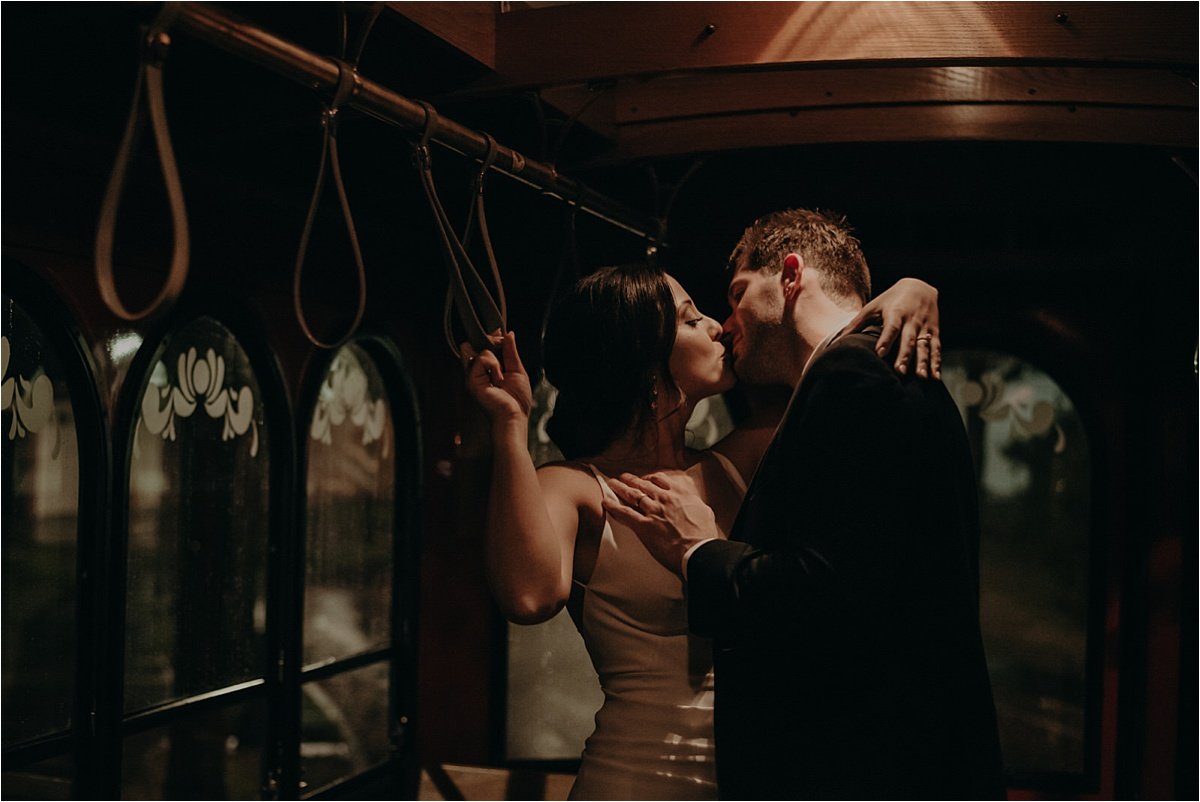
[794,612]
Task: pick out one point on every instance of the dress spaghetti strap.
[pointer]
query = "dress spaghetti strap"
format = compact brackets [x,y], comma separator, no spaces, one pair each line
[605,491]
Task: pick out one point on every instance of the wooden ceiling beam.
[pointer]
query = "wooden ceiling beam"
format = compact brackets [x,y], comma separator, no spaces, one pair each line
[1173,128]
[708,94]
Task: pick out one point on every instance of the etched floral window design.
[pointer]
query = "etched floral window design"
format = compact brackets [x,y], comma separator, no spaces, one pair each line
[40,530]
[199,496]
[198,381]
[1034,467]
[349,564]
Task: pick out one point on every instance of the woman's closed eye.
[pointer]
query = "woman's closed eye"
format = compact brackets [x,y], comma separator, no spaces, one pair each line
[695,322]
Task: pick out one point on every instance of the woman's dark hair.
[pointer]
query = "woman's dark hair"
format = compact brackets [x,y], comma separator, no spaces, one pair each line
[606,340]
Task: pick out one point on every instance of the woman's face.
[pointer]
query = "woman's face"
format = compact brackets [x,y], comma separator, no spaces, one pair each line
[698,364]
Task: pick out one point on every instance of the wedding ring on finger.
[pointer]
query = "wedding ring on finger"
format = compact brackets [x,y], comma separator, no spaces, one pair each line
[925,338]
[638,503]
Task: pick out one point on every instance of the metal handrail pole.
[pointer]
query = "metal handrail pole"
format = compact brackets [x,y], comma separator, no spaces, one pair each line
[262,47]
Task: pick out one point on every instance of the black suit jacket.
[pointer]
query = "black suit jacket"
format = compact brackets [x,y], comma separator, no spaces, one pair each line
[845,606]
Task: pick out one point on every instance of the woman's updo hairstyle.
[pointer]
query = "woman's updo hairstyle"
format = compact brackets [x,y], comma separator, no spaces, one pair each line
[606,342]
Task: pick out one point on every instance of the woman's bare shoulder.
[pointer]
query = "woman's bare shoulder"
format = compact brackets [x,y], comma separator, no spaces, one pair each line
[567,468]
[570,481]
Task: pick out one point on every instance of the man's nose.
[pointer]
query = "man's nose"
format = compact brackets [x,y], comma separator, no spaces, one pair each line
[727,328]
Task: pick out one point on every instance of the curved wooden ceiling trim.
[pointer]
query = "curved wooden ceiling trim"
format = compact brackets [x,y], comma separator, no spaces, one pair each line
[951,122]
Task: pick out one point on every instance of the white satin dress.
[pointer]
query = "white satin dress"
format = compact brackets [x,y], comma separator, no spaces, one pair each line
[654,731]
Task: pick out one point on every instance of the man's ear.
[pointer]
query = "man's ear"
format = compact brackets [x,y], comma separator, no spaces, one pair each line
[793,266]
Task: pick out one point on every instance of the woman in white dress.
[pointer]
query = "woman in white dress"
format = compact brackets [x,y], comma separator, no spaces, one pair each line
[630,356]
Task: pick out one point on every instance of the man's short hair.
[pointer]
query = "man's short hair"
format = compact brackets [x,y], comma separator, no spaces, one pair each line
[823,238]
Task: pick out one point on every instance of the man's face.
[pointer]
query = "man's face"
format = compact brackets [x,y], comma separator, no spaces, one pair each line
[755,331]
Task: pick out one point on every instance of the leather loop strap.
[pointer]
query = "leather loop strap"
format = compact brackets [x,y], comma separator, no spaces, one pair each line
[467,293]
[149,79]
[477,218]
[476,200]
[431,122]
[348,83]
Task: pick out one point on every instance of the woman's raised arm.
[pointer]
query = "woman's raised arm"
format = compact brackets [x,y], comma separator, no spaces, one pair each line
[533,516]
[908,309]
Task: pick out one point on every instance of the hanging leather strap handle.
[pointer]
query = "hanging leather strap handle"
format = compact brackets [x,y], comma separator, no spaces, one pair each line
[150,79]
[347,85]
[477,215]
[477,310]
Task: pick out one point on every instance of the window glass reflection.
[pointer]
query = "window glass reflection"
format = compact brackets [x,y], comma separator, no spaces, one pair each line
[40,517]
[553,691]
[216,754]
[198,520]
[345,727]
[1034,468]
[350,514]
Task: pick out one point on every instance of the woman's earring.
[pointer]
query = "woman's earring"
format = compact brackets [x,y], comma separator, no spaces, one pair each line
[654,396]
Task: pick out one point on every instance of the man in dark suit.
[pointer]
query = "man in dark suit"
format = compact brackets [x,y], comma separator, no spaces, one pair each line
[845,605]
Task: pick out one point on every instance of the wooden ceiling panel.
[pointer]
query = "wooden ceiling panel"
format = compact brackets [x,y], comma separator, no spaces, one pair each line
[585,41]
[660,79]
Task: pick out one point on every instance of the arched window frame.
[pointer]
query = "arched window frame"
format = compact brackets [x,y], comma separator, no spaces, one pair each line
[1058,350]
[113,725]
[58,324]
[401,654]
